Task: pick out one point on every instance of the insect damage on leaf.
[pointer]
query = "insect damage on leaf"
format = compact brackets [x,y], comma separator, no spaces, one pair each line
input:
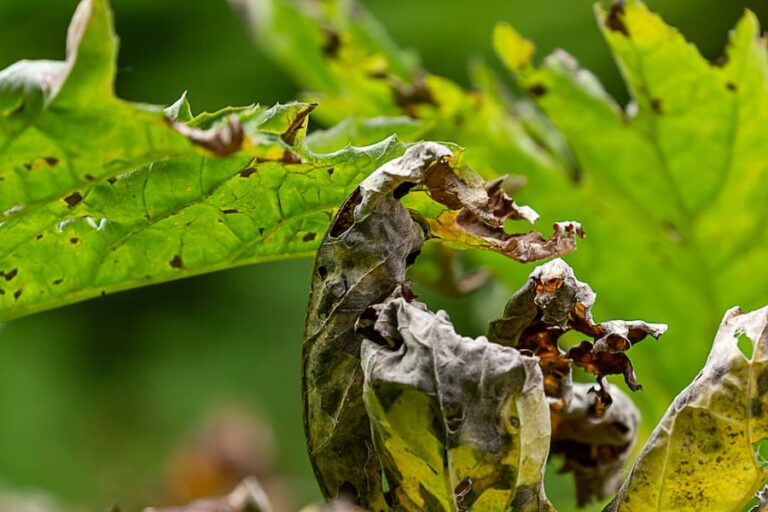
[594,447]
[362,259]
[702,455]
[459,423]
[554,302]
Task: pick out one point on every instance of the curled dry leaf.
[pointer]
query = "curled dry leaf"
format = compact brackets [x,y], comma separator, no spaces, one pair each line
[702,455]
[594,447]
[222,140]
[459,423]
[553,302]
[247,497]
[361,261]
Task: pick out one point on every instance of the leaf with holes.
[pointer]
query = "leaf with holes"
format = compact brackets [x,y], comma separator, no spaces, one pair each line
[704,454]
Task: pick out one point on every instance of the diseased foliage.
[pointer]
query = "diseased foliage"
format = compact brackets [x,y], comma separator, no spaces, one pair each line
[99,195]
[459,423]
[704,454]
[362,260]
[668,186]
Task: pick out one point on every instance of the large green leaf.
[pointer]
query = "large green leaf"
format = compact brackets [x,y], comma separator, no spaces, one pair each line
[671,183]
[704,455]
[108,195]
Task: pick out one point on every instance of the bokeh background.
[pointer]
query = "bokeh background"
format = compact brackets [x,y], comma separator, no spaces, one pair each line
[159,395]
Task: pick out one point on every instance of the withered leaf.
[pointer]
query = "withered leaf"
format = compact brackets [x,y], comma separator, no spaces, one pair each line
[460,424]
[362,259]
[703,455]
[246,497]
[594,446]
[554,302]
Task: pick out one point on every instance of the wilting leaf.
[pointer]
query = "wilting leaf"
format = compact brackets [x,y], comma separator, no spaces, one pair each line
[552,303]
[247,497]
[594,444]
[459,423]
[704,453]
[362,259]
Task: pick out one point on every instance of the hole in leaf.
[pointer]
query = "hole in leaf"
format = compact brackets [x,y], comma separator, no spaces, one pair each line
[760,449]
[411,258]
[402,190]
[745,345]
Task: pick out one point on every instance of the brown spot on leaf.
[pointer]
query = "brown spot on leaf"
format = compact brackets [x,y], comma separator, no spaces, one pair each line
[27,166]
[731,86]
[246,173]
[720,61]
[331,44]
[615,18]
[309,237]
[39,237]
[229,211]
[89,177]
[58,281]
[73,199]
[10,274]
[51,160]
[176,262]
[17,294]
[112,180]
[537,90]
[330,171]
[409,96]
[657,105]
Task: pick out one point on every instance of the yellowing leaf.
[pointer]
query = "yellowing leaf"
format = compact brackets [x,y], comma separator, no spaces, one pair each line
[703,454]
[460,424]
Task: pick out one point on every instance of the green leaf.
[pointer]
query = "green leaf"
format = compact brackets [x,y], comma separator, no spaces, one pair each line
[459,423]
[671,184]
[704,454]
[62,128]
[102,195]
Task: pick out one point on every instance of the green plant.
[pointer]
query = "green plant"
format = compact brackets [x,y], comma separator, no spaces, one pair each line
[100,195]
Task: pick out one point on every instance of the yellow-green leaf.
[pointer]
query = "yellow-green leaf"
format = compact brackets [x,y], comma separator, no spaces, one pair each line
[704,454]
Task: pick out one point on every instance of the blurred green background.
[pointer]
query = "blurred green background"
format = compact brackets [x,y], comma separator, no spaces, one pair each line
[100,401]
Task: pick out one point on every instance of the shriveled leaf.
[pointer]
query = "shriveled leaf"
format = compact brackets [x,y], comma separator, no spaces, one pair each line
[594,445]
[362,259]
[554,302]
[459,423]
[704,453]
[249,496]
